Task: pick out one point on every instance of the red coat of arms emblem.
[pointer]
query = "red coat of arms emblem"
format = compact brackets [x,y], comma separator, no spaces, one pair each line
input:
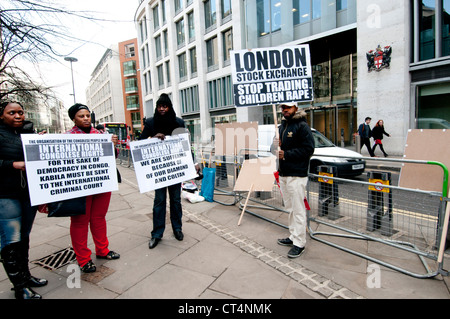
[379,59]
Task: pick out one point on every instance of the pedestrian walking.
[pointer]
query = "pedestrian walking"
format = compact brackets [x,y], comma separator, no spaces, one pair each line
[296,148]
[377,134]
[96,207]
[16,213]
[365,133]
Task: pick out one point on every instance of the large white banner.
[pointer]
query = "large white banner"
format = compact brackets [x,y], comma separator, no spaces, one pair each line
[64,166]
[160,163]
[272,75]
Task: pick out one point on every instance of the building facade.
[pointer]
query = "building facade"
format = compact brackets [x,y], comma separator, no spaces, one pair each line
[185,51]
[131,86]
[104,93]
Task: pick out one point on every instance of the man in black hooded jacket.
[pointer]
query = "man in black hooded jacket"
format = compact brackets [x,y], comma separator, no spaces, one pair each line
[165,122]
[296,148]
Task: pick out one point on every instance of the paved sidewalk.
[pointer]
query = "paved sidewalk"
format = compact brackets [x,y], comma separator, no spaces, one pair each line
[216,260]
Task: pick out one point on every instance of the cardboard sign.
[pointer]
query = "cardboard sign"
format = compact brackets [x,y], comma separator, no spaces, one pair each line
[427,145]
[256,175]
[64,166]
[160,163]
[272,75]
[231,138]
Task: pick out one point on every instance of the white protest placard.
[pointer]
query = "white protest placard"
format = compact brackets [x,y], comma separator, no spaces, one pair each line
[64,166]
[164,163]
[272,75]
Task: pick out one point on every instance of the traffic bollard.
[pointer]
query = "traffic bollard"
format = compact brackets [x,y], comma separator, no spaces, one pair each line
[328,192]
[379,216]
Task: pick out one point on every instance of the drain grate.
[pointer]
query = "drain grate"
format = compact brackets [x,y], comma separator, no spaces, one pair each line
[57,259]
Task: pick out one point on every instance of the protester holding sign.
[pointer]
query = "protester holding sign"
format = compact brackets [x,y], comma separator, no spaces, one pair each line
[96,207]
[16,213]
[165,122]
[296,148]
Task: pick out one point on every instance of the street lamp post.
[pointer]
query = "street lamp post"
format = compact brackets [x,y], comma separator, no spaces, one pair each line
[71,60]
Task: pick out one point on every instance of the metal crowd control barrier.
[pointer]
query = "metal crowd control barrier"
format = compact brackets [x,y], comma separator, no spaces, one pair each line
[124,157]
[412,220]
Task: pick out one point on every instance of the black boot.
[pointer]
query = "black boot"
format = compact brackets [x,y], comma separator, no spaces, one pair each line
[11,256]
[32,281]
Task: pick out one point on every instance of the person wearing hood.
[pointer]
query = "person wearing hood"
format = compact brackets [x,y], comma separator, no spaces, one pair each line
[96,207]
[162,124]
[296,146]
[16,213]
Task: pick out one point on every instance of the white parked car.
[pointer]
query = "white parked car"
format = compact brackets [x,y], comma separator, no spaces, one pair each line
[325,153]
[350,166]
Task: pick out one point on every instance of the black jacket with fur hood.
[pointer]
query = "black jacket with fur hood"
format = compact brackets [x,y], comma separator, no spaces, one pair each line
[297,142]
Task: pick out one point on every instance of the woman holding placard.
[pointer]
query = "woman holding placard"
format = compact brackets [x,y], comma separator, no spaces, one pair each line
[16,214]
[96,207]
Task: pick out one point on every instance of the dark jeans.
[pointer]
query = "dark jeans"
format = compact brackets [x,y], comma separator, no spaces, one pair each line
[159,209]
[366,141]
[16,220]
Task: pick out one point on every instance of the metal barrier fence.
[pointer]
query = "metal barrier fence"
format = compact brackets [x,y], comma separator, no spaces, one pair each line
[408,219]
[411,220]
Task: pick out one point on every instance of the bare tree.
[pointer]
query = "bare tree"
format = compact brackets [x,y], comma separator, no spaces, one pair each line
[30,30]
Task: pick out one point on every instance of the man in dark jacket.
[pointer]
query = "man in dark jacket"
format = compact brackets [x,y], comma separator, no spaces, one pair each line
[165,122]
[365,133]
[296,148]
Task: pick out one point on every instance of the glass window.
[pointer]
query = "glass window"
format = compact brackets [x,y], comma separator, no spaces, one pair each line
[136,118]
[193,60]
[427,30]
[163,11]
[129,51]
[321,82]
[160,75]
[433,110]
[275,15]
[317,9]
[227,38]
[143,29]
[156,17]
[180,32]
[178,5]
[158,47]
[210,13]
[341,5]
[302,11]
[166,43]
[268,16]
[340,68]
[226,8]
[211,52]
[129,68]
[263,17]
[446,28]
[220,92]
[132,102]
[131,85]
[144,60]
[191,26]
[168,72]
[182,67]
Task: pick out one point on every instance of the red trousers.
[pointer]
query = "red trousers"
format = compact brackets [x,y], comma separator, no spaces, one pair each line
[95,219]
